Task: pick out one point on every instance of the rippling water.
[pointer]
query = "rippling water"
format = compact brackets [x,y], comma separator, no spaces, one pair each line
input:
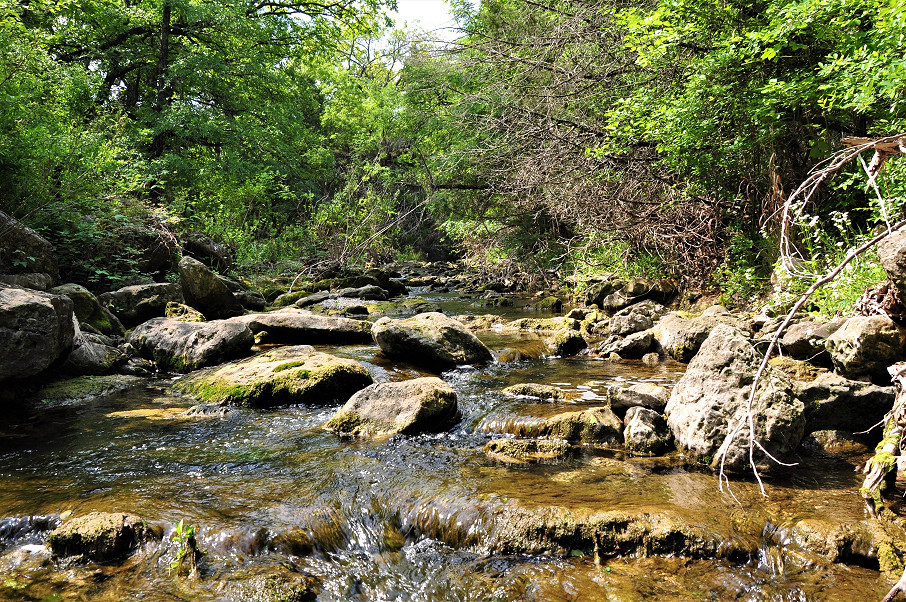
[399,518]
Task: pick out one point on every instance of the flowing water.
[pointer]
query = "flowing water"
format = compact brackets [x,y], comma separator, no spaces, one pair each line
[396,518]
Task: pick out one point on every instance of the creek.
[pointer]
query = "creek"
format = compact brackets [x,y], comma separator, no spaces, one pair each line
[399,518]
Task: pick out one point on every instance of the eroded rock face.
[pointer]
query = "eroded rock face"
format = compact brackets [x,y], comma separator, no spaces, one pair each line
[635,318]
[634,346]
[206,292]
[97,537]
[681,338]
[432,340]
[299,327]
[412,406]
[867,345]
[526,450]
[91,314]
[713,394]
[22,250]
[296,374]
[36,329]
[136,304]
[646,431]
[186,346]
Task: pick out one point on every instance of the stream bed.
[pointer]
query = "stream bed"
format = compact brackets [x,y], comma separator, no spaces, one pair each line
[404,517]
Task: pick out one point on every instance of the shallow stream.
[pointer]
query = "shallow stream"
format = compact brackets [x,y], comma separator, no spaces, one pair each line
[400,518]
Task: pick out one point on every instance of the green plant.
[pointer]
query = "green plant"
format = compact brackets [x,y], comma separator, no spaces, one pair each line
[187,550]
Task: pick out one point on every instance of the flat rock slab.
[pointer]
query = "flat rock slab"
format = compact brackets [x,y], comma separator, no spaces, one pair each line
[297,374]
[432,340]
[299,327]
[412,406]
[187,346]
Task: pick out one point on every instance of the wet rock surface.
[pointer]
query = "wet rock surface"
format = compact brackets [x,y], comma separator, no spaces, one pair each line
[432,340]
[97,537]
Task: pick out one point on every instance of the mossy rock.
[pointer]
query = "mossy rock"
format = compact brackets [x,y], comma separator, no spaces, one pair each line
[287,299]
[183,313]
[551,325]
[280,586]
[297,374]
[97,537]
[567,342]
[74,390]
[551,303]
[526,450]
[538,391]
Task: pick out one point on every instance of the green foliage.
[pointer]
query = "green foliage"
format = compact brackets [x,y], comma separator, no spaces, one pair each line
[745,274]
[186,547]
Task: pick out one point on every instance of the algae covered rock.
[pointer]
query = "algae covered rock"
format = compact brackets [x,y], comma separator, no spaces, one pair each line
[432,340]
[97,537]
[183,313]
[566,343]
[35,329]
[594,425]
[412,406]
[713,394]
[297,374]
[538,391]
[526,450]
[187,346]
[92,316]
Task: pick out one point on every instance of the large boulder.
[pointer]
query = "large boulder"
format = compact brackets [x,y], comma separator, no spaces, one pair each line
[833,402]
[566,343]
[206,292]
[22,250]
[892,253]
[93,354]
[635,318]
[867,345]
[412,406]
[186,346]
[293,326]
[297,374]
[614,295]
[681,338]
[806,340]
[633,347]
[141,302]
[432,340]
[35,329]
[207,250]
[712,396]
[98,537]
[92,316]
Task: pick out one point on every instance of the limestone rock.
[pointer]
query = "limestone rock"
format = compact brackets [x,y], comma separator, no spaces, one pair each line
[681,338]
[635,346]
[412,406]
[293,326]
[646,431]
[186,346]
[296,374]
[526,450]
[93,354]
[646,395]
[867,345]
[806,340]
[594,425]
[892,253]
[206,292]
[833,402]
[36,329]
[141,302]
[538,391]
[38,281]
[183,313]
[97,537]
[713,394]
[432,340]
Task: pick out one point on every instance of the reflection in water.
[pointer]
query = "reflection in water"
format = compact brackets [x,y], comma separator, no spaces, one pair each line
[395,518]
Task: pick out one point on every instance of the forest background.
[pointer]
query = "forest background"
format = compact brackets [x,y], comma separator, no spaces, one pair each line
[655,137]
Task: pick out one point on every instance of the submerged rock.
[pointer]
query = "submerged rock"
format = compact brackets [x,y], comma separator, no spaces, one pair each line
[293,326]
[411,406]
[296,374]
[594,425]
[35,329]
[432,340]
[187,346]
[98,537]
[711,398]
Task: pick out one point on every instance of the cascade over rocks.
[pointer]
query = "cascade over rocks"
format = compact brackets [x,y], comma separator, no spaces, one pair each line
[420,405]
[206,292]
[141,302]
[24,251]
[293,326]
[432,340]
[187,346]
[36,329]
[296,374]
[712,396]
[867,346]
